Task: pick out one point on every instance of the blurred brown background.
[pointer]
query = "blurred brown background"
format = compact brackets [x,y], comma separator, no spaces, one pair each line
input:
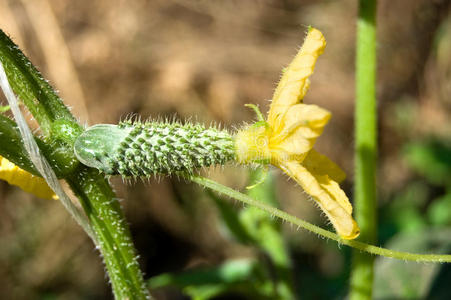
[203,60]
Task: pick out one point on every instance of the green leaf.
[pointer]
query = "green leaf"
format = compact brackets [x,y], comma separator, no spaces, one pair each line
[230,218]
[396,279]
[431,159]
[234,271]
[439,213]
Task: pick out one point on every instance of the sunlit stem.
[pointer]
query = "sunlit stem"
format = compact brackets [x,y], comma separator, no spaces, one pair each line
[365,149]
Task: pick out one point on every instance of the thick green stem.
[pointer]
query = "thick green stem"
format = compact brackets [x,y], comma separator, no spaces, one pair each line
[60,130]
[105,214]
[12,147]
[102,209]
[365,148]
[26,81]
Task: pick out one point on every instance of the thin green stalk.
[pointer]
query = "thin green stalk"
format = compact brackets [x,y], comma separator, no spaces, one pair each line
[60,130]
[360,246]
[365,149]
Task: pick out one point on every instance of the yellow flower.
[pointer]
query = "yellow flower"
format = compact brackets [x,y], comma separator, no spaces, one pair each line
[287,137]
[26,181]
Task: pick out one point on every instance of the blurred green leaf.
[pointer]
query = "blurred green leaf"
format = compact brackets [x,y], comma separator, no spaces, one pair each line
[230,218]
[395,279]
[405,211]
[439,213]
[255,227]
[439,288]
[267,232]
[204,292]
[244,276]
[230,272]
[431,159]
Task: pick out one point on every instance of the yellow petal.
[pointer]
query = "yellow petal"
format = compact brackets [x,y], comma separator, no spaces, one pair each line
[328,195]
[319,164]
[302,124]
[26,181]
[294,147]
[334,190]
[294,82]
[308,120]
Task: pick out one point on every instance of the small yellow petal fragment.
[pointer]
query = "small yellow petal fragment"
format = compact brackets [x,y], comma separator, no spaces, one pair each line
[294,82]
[327,197]
[25,180]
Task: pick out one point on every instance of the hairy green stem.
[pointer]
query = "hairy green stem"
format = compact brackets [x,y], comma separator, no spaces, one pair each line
[26,81]
[60,130]
[365,149]
[360,246]
[104,212]
[102,209]
[12,147]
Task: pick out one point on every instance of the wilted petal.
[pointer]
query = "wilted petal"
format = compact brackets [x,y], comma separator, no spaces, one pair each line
[330,198]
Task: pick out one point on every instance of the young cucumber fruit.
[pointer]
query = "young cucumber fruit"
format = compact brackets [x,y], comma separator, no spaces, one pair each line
[135,149]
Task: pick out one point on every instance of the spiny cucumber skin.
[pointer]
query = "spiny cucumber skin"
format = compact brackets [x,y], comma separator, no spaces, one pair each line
[135,149]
